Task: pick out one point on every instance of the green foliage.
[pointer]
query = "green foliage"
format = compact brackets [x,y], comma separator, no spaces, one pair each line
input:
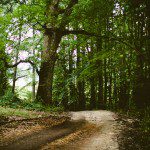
[117,60]
[18,112]
[32,106]
[142,116]
[6,111]
[10,99]
[40,107]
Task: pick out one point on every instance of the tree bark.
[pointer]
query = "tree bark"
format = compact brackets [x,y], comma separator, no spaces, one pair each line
[100,75]
[52,37]
[33,71]
[72,87]
[105,82]
[80,84]
[110,89]
[16,60]
[92,94]
[3,79]
[33,81]
[49,56]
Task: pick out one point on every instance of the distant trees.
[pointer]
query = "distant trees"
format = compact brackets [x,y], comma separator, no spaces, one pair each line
[93,54]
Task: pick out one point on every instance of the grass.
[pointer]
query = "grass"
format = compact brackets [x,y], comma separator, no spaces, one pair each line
[6,111]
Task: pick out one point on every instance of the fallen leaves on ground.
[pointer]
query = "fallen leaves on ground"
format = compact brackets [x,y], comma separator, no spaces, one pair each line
[74,139]
[18,129]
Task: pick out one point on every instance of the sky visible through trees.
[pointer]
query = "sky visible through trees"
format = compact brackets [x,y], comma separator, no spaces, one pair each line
[76,54]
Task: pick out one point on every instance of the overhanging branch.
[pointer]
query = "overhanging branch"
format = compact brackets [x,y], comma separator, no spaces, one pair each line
[83,32]
[20,77]
[19,62]
[113,38]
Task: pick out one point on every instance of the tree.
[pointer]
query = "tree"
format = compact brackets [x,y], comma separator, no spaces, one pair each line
[54,30]
[3,75]
[52,38]
[3,56]
[87,60]
[16,60]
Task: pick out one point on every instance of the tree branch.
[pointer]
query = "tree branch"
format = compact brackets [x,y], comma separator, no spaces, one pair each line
[114,38]
[21,61]
[83,32]
[67,13]
[20,77]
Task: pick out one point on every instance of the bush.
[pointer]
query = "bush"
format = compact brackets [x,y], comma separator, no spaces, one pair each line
[40,107]
[32,105]
[10,99]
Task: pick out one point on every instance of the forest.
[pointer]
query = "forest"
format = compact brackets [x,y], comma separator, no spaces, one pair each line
[82,54]
[74,55]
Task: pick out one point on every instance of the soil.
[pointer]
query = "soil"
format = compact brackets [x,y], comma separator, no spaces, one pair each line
[85,130]
[36,140]
[106,137]
[133,137]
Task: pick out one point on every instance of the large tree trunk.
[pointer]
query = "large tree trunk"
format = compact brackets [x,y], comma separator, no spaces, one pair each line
[80,84]
[44,92]
[52,38]
[72,87]
[141,94]
[110,104]
[100,75]
[3,73]
[16,60]
[3,80]
[92,94]
[49,55]
[105,82]
[33,72]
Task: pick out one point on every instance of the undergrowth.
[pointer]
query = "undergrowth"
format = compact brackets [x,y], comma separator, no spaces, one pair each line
[136,134]
[12,101]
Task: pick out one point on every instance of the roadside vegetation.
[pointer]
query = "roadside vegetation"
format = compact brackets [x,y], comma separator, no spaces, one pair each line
[136,130]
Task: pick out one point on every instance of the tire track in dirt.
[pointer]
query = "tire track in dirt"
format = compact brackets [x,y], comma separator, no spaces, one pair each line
[36,140]
[103,137]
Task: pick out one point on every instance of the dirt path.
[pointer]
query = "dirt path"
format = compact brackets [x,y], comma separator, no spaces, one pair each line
[106,136]
[36,140]
[88,130]
[101,135]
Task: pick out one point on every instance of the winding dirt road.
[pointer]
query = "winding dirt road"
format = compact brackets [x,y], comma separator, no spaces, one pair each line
[101,134]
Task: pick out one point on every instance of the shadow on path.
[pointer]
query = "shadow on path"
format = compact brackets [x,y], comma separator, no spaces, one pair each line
[36,140]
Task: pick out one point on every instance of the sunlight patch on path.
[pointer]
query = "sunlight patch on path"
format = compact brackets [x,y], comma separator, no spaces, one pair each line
[106,136]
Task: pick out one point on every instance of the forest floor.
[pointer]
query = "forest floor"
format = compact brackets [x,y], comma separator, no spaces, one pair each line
[84,130]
